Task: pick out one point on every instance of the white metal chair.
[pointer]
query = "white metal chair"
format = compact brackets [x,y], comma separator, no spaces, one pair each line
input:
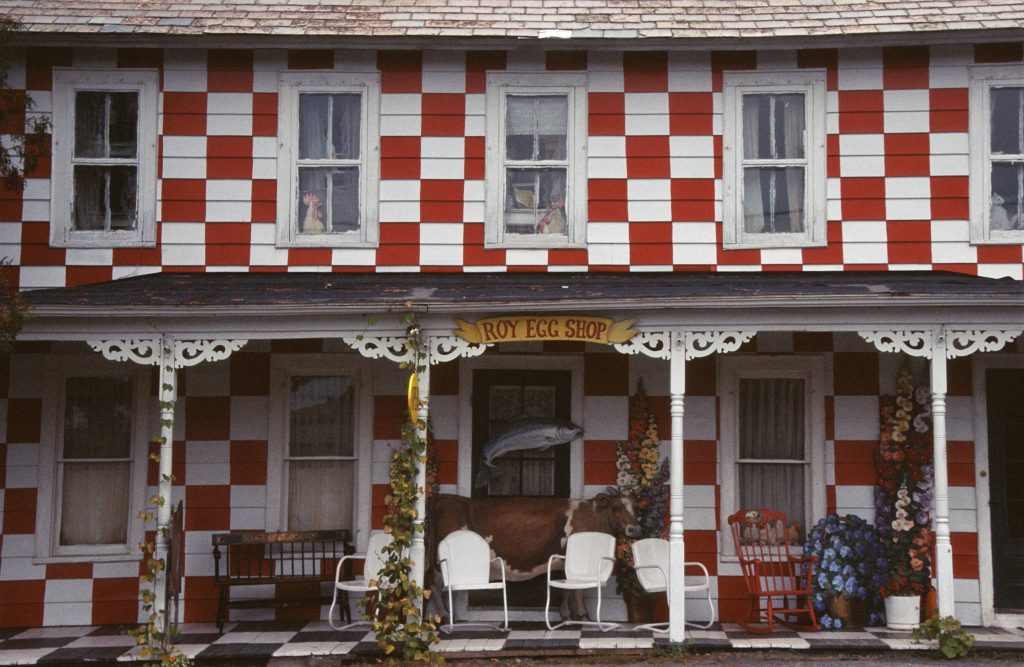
[651,563]
[589,560]
[373,561]
[465,561]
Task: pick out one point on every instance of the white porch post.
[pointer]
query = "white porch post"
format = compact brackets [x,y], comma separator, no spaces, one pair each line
[168,355]
[677,347]
[938,346]
[676,541]
[943,546]
[436,349]
[417,551]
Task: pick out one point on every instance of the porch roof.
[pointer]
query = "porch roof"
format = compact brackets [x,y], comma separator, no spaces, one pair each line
[170,294]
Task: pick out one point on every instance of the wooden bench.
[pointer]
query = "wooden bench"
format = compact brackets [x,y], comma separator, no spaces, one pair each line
[249,559]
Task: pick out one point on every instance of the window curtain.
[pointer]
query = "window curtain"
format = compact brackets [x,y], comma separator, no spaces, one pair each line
[772,446]
[793,138]
[321,472]
[94,491]
[753,201]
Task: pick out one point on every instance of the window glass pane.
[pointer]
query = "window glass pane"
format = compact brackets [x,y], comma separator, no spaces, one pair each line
[771,418]
[329,126]
[328,194]
[773,199]
[1007,116]
[345,199]
[90,124]
[123,197]
[94,506]
[347,109]
[320,494]
[97,417]
[90,198]
[535,201]
[124,122]
[774,486]
[320,422]
[773,126]
[536,127]
[105,193]
[1007,196]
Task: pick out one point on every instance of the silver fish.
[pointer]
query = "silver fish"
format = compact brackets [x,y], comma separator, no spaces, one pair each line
[530,433]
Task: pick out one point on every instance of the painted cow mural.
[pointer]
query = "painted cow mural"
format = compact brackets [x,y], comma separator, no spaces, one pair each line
[525,532]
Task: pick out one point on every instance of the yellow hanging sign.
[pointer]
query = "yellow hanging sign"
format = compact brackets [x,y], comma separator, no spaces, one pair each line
[519,328]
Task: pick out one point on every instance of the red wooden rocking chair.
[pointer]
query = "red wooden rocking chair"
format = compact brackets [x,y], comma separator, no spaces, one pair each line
[778,583]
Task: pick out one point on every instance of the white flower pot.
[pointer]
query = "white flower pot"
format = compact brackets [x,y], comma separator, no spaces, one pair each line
[902,612]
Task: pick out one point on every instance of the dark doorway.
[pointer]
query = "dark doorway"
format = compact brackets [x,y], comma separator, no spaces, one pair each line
[1003,389]
[500,397]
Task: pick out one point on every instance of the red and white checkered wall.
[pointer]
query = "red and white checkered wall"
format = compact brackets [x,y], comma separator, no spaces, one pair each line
[221,449]
[897,163]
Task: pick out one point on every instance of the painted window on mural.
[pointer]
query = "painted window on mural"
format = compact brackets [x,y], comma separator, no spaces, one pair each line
[327,167]
[997,153]
[95,464]
[320,460]
[535,159]
[772,462]
[104,149]
[774,172]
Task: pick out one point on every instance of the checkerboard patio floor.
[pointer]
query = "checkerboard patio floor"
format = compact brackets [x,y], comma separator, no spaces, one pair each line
[263,640]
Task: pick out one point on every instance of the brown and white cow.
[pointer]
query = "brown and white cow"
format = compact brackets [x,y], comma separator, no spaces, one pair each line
[525,532]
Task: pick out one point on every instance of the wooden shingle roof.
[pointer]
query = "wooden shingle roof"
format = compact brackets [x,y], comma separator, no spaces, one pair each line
[582,19]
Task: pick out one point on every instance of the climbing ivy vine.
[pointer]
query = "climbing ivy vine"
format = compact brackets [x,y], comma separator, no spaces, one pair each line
[403,631]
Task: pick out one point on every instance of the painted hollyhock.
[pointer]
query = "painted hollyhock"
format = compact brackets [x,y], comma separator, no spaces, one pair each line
[903,491]
[643,479]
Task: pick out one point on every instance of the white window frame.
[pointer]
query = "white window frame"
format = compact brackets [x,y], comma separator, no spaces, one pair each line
[499,86]
[282,368]
[983,78]
[290,86]
[66,83]
[732,369]
[56,372]
[811,84]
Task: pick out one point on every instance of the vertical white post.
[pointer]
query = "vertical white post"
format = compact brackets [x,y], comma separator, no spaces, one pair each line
[418,549]
[168,394]
[677,547]
[943,547]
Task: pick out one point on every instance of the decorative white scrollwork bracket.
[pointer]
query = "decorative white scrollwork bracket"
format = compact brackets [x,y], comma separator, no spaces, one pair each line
[914,343]
[393,348]
[447,348]
[146,351]
[704,343]
[656,344]
[964,342]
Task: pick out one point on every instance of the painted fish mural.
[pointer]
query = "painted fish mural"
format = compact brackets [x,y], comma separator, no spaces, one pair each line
[524,434]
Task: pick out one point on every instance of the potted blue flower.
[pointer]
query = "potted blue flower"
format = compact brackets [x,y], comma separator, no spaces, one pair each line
[851,568]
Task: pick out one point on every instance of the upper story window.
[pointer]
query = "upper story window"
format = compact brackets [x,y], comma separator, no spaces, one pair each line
[997,154]
[92,463]
[536,159]
[104,149]
[773,147]
[328,163]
